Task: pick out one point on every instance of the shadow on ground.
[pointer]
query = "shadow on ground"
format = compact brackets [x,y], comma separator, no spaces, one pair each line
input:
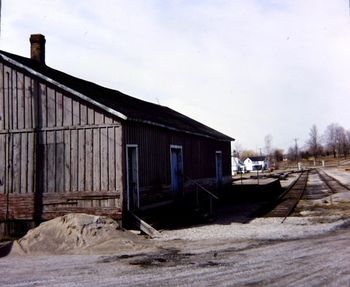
[238,203]
[5,249]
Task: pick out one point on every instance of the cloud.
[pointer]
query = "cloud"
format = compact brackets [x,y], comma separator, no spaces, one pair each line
[246,68]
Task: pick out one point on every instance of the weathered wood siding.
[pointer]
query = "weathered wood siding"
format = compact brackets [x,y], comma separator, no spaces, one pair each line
[58,154]
[154,160]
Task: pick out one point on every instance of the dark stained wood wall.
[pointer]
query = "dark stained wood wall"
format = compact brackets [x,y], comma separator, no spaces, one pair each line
[154,159]
[58,154]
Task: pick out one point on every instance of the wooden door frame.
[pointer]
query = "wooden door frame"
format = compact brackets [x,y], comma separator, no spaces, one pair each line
[179,148]
[218,177]
[136,147]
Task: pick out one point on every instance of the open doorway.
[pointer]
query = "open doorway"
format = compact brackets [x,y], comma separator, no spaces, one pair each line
[218,168]
[176,165]
[132,177]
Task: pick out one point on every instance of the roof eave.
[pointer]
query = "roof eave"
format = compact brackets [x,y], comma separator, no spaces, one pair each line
[179,130]
[65,88]
[102,106]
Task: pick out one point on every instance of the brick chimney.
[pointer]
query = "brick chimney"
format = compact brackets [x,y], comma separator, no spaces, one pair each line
[37,48]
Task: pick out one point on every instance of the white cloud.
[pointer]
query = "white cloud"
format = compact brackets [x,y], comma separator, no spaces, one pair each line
[247,68]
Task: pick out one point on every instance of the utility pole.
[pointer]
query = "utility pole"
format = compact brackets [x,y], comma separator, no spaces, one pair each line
[296,149]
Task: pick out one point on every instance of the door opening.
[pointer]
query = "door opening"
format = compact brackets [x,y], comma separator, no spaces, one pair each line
[218,164]
[132,177]
[176,165]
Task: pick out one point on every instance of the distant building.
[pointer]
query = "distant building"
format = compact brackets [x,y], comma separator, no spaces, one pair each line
[237,166]
[69,145]
[256,163]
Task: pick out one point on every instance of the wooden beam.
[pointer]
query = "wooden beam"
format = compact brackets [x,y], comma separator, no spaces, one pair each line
[144,226]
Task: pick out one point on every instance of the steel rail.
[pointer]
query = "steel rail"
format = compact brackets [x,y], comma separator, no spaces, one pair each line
[288,200]
[326,178]
[290,210]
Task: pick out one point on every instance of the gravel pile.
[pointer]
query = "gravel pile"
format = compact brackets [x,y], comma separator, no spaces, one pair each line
[74,233]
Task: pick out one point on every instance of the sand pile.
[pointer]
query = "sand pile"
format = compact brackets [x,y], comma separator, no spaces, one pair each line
[75,233]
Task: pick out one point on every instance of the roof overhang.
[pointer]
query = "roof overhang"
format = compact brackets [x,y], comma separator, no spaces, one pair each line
[98,104]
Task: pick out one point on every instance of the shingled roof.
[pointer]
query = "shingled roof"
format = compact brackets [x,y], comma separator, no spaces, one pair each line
[126,107]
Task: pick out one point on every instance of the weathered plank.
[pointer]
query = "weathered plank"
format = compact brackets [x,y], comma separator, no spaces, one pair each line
[96,161]
[104,159]
[89,159]
[50,156]
[111,159]
[76,113]
[16,163]
[31,175]
[51,108]
[144,226]
[14,100]
[3,163]
[7,97]
[67,161]
[98,118]
[59,168]
[74,164]
[28,121]
[81,160]
[2,96]
[24,163]
[42,106]
[118,158]
[59,109]
[21,101]
[83,115]
[90,116]
[60,161]
[68,109]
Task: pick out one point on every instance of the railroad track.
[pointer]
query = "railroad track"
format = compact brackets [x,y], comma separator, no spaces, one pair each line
[333,184]
[288,200]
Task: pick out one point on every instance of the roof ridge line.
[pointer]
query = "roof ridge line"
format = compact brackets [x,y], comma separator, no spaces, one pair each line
[64,87]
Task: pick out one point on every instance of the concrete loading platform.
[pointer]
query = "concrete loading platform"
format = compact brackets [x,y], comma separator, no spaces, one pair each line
[262,188]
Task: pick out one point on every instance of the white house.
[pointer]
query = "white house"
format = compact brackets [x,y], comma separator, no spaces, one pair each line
[237,166]
[254,163]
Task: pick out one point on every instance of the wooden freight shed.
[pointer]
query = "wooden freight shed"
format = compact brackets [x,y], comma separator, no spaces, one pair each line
[69,145]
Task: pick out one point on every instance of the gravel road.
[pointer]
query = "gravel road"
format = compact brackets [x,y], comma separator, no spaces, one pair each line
[303,251]
[320,261]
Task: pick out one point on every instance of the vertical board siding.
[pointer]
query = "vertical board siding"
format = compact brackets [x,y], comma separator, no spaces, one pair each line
[75,149]
[2,160]
[88,159]
[154,157]
[21,100]
[2,97]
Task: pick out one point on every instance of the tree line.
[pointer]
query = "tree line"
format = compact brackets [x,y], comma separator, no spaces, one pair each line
[334,141]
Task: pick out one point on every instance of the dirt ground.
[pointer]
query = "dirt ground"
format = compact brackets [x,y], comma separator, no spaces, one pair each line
[311,249]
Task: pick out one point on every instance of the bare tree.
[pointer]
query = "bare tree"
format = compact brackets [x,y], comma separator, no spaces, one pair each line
[292,153]
[278,154]
[331,138]
[348,141]
[314,142]
[342,142]
[337,140]
[268,144]
[237,149]
[247,153]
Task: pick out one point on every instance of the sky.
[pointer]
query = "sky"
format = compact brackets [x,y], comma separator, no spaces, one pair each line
[248,68]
